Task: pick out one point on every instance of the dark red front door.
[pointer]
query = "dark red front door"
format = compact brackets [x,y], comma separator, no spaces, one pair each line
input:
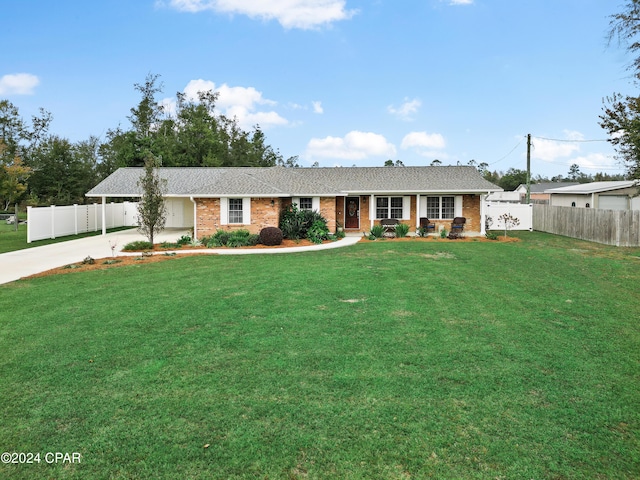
[352,212]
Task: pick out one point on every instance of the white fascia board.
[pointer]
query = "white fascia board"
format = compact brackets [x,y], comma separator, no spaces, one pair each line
[422,192]
[313,195]
[112,195]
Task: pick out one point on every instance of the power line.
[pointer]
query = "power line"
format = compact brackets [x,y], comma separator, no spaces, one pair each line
[510,152]
[569,141]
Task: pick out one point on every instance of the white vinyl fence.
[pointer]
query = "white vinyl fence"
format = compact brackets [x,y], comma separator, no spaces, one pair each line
[59,221]
[522,211]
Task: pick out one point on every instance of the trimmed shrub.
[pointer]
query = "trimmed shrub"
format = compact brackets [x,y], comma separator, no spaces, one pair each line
[218,239]
[318,231]
[491,235]
[295,223]
[232,239]
[184,240]
[138,245]
[271,236]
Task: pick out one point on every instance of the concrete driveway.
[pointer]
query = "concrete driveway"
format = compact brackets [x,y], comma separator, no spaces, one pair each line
[22,263]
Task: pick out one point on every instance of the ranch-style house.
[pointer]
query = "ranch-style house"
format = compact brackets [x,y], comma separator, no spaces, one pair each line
[352,198]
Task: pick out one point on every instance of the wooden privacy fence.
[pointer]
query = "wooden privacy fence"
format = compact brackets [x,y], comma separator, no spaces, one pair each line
[58,221]
[611,227]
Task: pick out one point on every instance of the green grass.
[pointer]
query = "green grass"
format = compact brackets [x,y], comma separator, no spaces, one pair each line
[10,240]
[384,360]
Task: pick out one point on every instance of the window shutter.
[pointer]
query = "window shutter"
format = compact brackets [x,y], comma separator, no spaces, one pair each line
[315,202]
[458,205]
[246,211]
[224,211]
[422,211]
[406,208]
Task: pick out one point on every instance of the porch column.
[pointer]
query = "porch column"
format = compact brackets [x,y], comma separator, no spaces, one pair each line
[483,215]
[104,215]
[372,211]
[195,219]
[417,211]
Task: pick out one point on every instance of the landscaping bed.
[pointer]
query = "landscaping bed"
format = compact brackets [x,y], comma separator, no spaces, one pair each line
[146,257]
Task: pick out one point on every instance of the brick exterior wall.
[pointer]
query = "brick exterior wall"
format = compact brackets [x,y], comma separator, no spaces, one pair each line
[263,214]
[207,216]
[470,210]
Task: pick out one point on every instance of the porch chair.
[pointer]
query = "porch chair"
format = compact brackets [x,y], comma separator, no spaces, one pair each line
[457,225]
[427,225]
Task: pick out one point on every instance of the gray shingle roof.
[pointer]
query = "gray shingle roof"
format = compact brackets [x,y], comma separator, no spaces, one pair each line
[284,182]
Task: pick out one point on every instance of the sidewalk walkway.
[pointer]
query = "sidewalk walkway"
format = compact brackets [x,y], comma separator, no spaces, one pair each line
[22,263]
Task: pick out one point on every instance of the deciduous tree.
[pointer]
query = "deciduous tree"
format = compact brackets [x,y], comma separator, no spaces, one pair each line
[621,117]
[152,211]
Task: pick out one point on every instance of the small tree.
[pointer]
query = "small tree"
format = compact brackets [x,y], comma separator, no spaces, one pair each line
[509,222]
[152,211]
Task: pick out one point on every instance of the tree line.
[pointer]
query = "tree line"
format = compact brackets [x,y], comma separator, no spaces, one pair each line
[621,113]
[41,168]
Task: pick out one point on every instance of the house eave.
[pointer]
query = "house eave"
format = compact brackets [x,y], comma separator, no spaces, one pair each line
[421,192]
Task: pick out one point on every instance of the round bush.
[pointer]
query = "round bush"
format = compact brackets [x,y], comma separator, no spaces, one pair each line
[271,236]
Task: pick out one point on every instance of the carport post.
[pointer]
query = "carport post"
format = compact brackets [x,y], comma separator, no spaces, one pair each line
[104,215]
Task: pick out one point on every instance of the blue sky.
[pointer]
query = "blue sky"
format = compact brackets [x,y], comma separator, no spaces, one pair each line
[338,82]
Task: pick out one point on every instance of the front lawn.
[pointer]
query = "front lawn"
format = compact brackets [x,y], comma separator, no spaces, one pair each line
[388,360]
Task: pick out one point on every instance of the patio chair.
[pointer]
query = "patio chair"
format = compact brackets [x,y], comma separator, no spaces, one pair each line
[389,225]
[457,225]
[427,225]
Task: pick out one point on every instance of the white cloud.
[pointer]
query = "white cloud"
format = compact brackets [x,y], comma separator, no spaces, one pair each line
[317,107]
[18,84]
[423,140]
[303,14]
[595,162]
[461,2]
[549,150]
[354,145]
[195,86]
[573,135]
[241,103]
[406,110]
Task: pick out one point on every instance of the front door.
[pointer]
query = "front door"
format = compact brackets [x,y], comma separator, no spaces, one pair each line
[352,213]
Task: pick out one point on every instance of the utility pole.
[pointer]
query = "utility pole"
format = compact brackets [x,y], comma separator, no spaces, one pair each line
[528,198]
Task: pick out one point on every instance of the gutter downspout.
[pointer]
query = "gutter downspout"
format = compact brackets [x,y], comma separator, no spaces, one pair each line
[195,219]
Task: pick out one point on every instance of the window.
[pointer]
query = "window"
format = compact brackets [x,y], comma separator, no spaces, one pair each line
[382,207]
[396,207]
[235,210]
[441,207]
[306,203]
[389,207]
